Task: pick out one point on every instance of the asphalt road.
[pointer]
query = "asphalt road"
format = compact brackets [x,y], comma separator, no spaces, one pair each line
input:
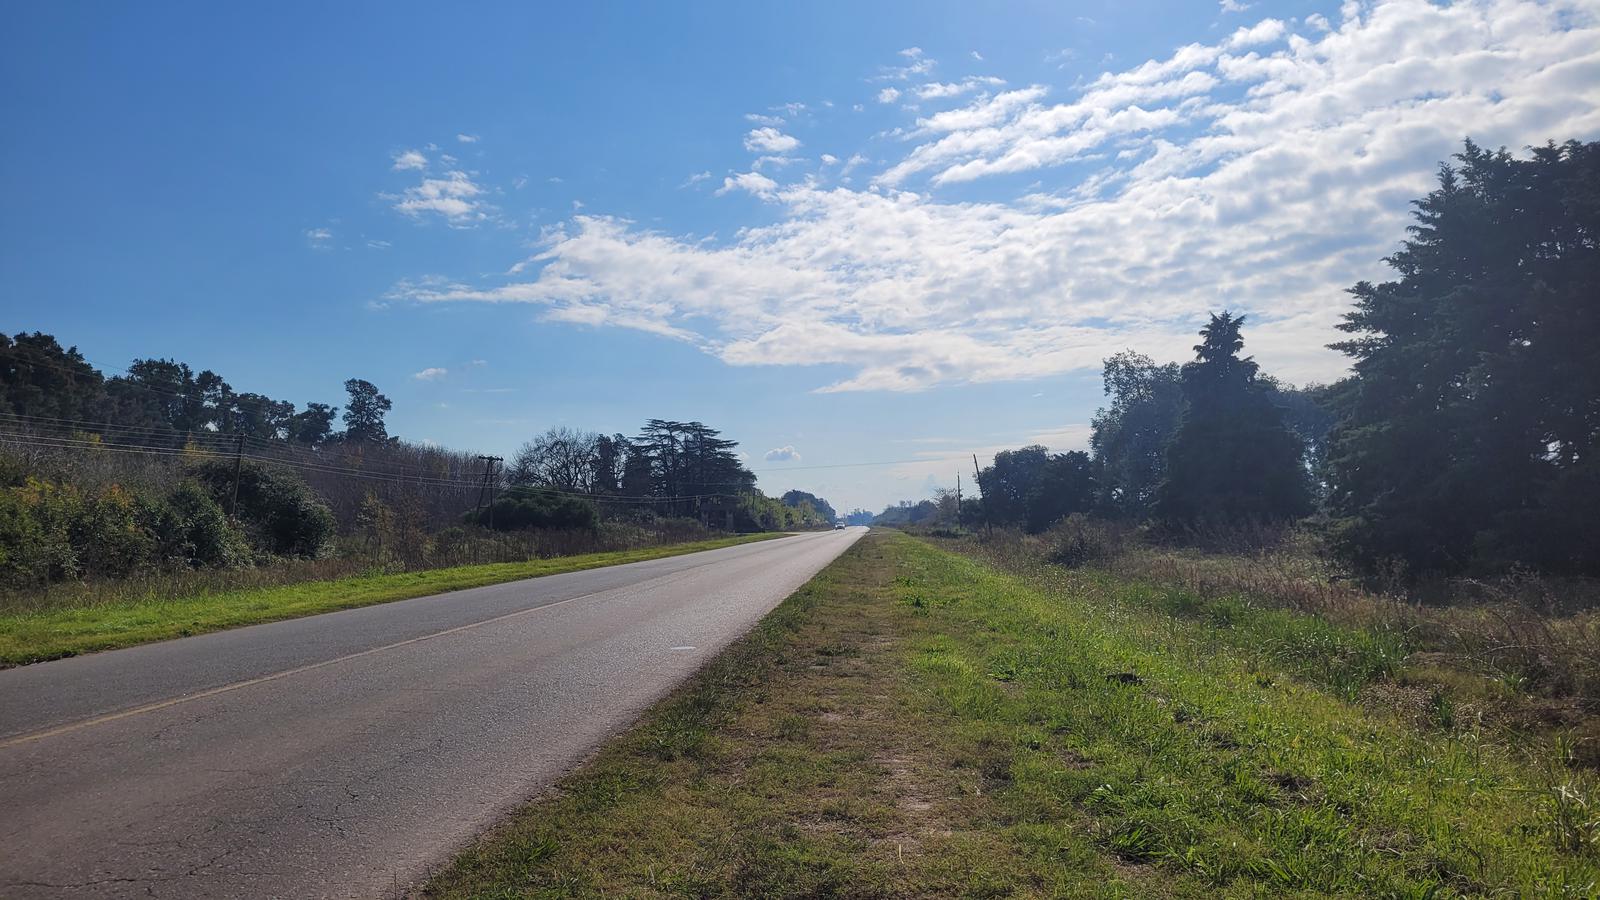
[346,754]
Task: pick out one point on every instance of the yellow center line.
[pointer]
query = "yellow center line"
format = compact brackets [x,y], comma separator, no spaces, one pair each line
[223,689]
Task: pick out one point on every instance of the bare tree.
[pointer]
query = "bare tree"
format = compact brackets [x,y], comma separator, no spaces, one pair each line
[561,458]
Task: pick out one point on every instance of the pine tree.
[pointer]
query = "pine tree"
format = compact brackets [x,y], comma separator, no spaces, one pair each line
[1232,460]
[1470,437]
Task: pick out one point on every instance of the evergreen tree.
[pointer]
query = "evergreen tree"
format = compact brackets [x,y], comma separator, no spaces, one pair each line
[1232,460]
[1470,437]
[363,415]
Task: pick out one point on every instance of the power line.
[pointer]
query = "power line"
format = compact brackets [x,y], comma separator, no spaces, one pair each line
[57,443]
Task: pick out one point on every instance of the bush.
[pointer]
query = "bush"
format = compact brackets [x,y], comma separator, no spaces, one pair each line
[523,507]
[191,530]
[1079,540]
[280,513]
[111,530]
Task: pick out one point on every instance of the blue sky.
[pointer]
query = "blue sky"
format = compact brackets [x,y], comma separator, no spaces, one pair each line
[863,232]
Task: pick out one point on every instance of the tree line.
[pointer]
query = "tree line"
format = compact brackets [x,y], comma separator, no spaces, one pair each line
[163,468]
[670,468]
[162,402]
[1466,438]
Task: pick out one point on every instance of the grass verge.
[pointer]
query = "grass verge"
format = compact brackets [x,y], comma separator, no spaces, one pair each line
[914,723]
[28,637]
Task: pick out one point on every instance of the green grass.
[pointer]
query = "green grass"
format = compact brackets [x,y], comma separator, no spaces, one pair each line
[28,637]
[915,723]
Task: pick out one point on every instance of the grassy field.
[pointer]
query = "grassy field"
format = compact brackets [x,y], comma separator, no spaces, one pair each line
[35,636]
[915,723]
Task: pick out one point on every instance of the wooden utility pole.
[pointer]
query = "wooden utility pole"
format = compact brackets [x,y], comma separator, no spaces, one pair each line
[483,486]
[491,480]
[988,528]
[238,467]
[958,500]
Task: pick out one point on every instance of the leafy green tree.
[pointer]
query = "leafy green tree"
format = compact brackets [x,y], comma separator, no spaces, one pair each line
[38,377]
[363,414]
[312,425]
[1470,437]
[1066,485]
[1131,432]
[259,416]
[824,510]
[1232,460]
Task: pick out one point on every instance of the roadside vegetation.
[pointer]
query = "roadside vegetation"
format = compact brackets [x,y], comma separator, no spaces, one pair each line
[68,629]
[160,502]
[917,722]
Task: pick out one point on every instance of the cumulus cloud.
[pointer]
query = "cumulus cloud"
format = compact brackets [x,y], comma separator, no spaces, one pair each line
[1263,172]
[408,160]
[432,373]
[888,95]
[769,140]
[454,196]
[935,90]
[782,454]
[467,138]
[319,236]
[752,182]
[1233,6]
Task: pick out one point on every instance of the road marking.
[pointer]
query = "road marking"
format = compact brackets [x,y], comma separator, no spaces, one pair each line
[10,742]
[212,692]
[681,648]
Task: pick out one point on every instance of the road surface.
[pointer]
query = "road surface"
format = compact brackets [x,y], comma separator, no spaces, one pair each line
[347,754]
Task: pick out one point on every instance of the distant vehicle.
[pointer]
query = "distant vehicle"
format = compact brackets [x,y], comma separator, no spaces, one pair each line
[838,526]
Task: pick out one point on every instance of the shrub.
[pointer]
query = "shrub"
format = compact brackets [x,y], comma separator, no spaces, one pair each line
[1079,540]
[190,529]
[523,507]
[280,513]
[111,532]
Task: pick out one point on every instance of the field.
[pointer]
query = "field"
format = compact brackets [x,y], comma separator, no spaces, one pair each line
[47,632]
[916,722]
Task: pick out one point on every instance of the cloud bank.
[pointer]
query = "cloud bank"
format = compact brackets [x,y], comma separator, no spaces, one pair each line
[1263,172]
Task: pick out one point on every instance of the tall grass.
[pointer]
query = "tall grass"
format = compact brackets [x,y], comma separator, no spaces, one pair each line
[1520,651]
[354,556]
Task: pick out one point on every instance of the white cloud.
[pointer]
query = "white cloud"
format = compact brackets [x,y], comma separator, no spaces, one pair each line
[318,236]
[828,159]
[934,90]
[467,138]
[1232,6]
[916,63]
[769,140]
[432,373]
[695,179]
[782,454]
[888,95]
[454,196]
[375,244]
[977,56]
[1263,32]
[409,159]
[1262,173]
[754,182]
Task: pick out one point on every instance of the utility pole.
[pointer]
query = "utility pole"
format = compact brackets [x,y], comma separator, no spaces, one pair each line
[958,501]
[483,486]
[988,528]
[238,467]
[487,485]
